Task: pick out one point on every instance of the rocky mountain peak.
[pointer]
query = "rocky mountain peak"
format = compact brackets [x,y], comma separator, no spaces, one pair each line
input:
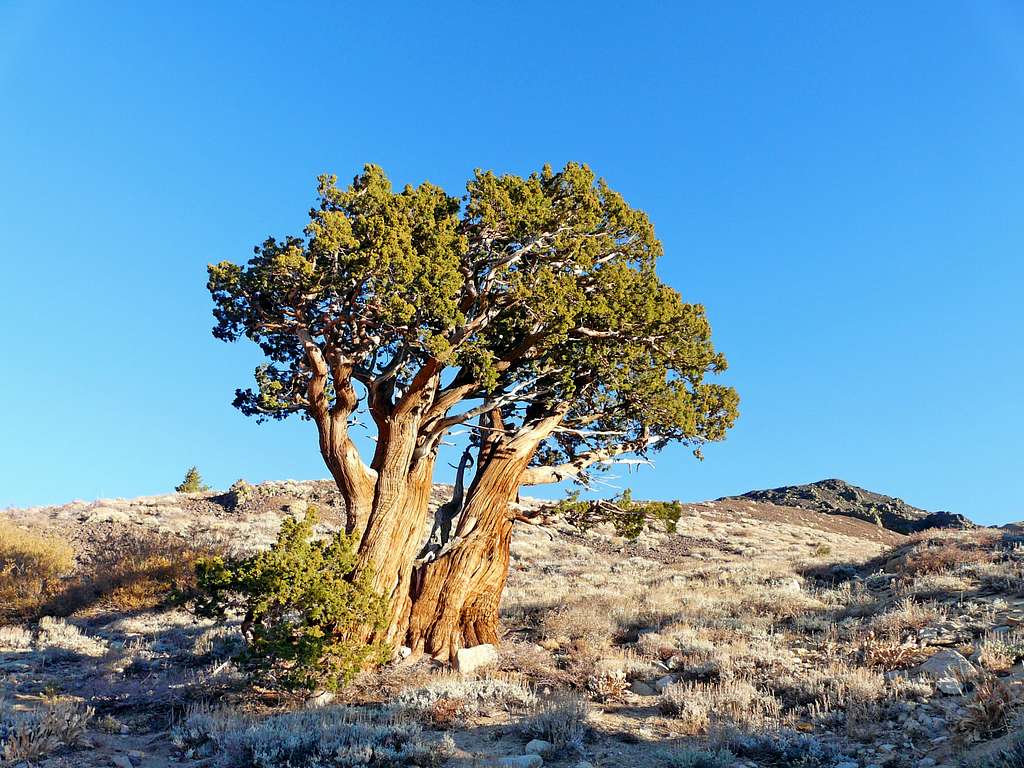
[838,497]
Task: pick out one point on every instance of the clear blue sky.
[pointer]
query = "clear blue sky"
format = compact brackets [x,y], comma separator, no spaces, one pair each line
[840,183]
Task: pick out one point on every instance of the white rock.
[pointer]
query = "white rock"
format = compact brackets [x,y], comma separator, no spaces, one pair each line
[642,689]
[320,700]
[520,761]
[946,663]
[538,746]
[949,686]
[664,682]
[470,659]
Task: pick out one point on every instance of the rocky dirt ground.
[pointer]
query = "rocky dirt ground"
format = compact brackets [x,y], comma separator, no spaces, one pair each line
[754,634]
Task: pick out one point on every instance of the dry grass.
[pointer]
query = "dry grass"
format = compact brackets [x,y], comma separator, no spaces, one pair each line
[134,573]
[34,734]
[907,616]
[736,702]
[990,711]
[31,567]
[938,552]
[561,720]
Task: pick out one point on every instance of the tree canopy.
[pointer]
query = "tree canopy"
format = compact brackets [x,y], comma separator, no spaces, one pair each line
[539,293]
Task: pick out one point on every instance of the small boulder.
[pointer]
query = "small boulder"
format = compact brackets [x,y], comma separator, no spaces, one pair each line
[946,663]
[664,682]
[641,688]
[479,656]
[949,686]
[538,746]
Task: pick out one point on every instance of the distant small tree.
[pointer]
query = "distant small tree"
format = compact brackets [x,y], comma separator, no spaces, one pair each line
[193,482]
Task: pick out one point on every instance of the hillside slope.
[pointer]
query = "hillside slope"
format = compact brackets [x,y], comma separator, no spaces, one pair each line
[837,497]
[797,637]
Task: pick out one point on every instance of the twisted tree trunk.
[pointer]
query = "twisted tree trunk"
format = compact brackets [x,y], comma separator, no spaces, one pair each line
[455,598]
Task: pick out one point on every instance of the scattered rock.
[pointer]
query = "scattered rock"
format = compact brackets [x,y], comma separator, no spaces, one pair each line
[664,682]
[123,761]
[538,746]
[520,761]
[641,688]
[946,663]
[479,656]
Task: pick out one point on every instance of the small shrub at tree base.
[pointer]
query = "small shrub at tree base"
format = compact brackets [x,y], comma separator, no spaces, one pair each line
[193,482]
[302,608]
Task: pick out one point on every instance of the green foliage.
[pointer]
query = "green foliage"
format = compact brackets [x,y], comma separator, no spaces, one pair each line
[538,292]
[303,608]
[629,517]
[193,482]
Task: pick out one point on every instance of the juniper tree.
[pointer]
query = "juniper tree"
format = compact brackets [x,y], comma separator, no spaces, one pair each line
[528,310]
[193,482]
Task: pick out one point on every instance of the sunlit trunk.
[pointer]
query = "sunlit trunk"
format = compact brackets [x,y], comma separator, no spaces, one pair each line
[455,598]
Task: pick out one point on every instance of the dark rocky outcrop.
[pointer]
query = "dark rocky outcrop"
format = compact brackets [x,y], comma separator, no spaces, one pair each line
[837,497]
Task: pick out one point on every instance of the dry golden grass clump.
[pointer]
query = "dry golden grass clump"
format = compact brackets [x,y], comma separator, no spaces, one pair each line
[31,567]
[130,572]
[736,702]
[135,572]
[990,711]
[945,552]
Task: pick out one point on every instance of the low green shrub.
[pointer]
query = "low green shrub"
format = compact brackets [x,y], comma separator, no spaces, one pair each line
[304,611]
[627,516]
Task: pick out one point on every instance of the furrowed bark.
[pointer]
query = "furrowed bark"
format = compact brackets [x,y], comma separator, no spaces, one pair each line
[455,598]
[404,481]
